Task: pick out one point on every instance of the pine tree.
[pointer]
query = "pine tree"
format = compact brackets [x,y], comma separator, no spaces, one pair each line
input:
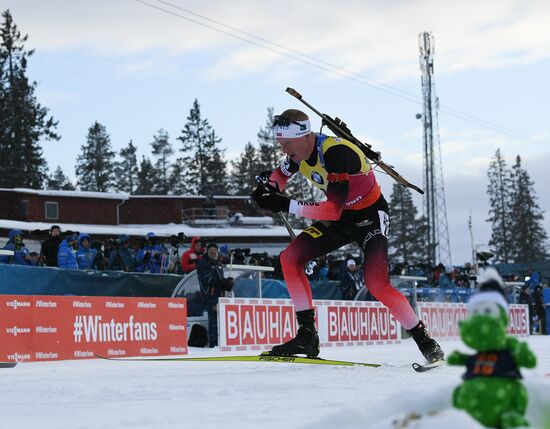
[500,213]
[200,151]
[126,169]
[146,177]
[95,166]
[529,236]
[58,181]
[244,171]
[162,151]
[178,179]
[23,121]
[216,181]
[269,151]
[406,242]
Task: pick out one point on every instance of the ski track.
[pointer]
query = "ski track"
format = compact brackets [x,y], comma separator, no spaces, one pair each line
[108,394]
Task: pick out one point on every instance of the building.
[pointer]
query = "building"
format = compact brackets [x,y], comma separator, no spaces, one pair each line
[111,214]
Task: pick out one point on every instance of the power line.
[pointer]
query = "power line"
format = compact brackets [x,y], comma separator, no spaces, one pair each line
[328,67]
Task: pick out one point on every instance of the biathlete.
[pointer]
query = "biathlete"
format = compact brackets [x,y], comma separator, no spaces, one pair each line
[355,211]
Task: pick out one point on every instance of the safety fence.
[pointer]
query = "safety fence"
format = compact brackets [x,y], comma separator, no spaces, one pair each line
[258,324]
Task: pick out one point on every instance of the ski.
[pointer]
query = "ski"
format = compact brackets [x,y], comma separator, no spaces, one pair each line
[7,364]
[260,358]
[423,368]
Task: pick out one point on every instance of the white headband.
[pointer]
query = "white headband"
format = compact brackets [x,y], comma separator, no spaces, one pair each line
[293,130]
[489,296]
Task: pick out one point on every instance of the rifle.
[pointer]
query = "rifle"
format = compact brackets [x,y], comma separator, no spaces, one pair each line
[340,129]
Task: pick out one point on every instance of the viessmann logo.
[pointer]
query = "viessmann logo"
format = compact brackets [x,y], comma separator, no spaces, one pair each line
[15,331]
[91,329]
[16,304]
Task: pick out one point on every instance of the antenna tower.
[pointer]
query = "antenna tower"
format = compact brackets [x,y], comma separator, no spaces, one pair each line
[435,209]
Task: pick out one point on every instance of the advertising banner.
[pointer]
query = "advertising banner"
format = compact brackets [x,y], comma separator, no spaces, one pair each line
[442,319]
[35,328]
[259,324]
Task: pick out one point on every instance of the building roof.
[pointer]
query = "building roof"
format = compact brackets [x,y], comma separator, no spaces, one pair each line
[162,230]
[112,195]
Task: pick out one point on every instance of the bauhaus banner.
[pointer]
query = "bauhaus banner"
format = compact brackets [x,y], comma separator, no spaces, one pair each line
[258,324]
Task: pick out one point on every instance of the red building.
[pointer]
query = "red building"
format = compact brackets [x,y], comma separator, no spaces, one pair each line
[104,208]
[110,214]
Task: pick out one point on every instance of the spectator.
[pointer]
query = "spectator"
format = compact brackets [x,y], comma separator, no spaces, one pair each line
[192,256]
[446,278]
[532,295]
[50,246]
[34,258]
[225,254]
[66,254]
[122,257]
[351,281]
[20,252]
[213,284]
[85,255]
[437,272]
[278,270]
[336,268]
[322,270]
[152,258]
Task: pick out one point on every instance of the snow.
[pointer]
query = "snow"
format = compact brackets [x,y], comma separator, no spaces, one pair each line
[138,395]
[112,195]
[79,194]
[161,230]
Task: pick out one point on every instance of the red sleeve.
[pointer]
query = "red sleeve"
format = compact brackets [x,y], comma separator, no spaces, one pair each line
[278,177]
[283,172]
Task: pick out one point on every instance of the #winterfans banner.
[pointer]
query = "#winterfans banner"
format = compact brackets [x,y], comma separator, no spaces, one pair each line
[442,319]
[34,328]
[258,324]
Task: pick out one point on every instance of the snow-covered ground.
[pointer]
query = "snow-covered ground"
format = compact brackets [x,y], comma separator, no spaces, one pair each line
[107,394]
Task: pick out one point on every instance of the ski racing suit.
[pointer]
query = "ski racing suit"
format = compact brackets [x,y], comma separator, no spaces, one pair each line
[355,211]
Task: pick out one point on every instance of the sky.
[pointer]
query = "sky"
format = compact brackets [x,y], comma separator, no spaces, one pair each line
[136,66]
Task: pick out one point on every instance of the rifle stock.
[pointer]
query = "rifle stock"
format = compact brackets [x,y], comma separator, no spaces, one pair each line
[341,130]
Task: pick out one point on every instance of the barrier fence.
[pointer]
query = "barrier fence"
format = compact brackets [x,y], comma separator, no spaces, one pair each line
[35,328]
[258,324]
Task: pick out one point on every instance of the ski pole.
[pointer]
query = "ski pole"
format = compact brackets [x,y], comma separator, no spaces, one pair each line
[309,267]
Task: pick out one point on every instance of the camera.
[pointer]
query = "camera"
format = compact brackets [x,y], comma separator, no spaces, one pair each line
[113,243]
[177,240]
[240,255]
[97,245]
[261,259]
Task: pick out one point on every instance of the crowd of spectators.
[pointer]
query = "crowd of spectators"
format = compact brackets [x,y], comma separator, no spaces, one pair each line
[439,275]
[79,251]
[152,254]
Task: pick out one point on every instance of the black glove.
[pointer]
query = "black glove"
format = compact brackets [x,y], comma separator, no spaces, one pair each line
[272,201]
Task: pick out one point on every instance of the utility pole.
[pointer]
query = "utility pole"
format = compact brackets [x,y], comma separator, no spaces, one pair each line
[435,209]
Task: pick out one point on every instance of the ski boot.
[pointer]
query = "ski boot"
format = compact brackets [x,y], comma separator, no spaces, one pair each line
[427,345]
[306,341]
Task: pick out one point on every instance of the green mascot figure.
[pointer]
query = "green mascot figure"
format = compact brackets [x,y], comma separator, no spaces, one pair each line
[492,391]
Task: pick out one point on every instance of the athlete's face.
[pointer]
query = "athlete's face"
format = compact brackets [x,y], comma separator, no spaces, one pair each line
[298,149]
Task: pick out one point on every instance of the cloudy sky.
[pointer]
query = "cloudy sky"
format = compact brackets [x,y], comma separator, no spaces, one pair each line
[137,65]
